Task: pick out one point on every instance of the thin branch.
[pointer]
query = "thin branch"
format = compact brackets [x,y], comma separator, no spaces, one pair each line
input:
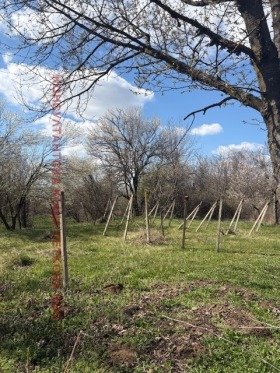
[203,110]
[205,2]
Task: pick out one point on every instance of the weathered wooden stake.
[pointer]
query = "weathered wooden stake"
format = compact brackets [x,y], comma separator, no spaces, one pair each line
[126,209]
[168,211]
[190,215]
[238,216]
[258,218]
[147,217]
[156,210]
[210,217]
[262,217]
[235,215]
[194,214]
[153,209]
[107,207]
[128,216]
[185,221]
[219,226]
[110,215]
[171,213]
[206,216]
[63,243]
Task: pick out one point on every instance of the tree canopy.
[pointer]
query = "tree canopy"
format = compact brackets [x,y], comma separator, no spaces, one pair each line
[230,46]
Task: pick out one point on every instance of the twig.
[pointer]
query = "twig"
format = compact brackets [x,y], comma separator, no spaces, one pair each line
[203,110]
[224,339]
[72,353]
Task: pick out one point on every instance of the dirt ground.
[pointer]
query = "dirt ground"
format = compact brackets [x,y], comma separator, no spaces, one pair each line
[175,334]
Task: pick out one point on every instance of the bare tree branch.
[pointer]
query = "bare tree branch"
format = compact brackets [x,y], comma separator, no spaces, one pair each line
[204,110]
[216,39]
[205,2]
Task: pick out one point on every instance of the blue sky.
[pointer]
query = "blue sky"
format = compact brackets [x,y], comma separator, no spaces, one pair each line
[219,127]
[232,129]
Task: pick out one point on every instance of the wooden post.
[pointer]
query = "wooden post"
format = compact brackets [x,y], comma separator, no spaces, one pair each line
[63,243]
[110,215]
[211,214]
[234,216]
[168,211]
[219,226]
[189,216]
[107,207]
[147,217]
[152,210]
[171,213]
[156,210]
[206,216]
[194,214]
[184,222]
[258,218]
[262,217]
[128,216]
[126,210]
[238,216]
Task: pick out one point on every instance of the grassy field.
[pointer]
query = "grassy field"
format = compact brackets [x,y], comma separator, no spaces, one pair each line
[167,309]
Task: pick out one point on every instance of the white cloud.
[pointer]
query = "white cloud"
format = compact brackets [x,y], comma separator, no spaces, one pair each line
[23,81]
[32,83]
[244,146]
[7,58]
[207,129]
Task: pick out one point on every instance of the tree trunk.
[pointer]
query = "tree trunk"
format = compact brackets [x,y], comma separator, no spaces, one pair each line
[272,121]
[135,196]
[3,218]
[276,209]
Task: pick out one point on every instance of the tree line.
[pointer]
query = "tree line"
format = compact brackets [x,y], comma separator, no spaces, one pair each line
[126,154]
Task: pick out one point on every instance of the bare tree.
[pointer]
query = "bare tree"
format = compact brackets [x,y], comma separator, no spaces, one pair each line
[128,146]
[23,160]
[231,46]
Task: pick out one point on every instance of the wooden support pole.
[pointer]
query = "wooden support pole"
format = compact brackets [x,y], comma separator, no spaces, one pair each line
[238,216]
[262,217]
[152,210]
[234,216]
[126,210]
[128,216]
[147,217]
[156,210]
[190,215]
[210,217]
[219,225]
[194,214]
[110,215]
[212,208]
[184,222]
[168,211]
[258,218]
[107,207]
[171,213]
[63,243]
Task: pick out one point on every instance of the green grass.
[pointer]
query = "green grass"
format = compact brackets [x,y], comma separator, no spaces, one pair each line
[135,330]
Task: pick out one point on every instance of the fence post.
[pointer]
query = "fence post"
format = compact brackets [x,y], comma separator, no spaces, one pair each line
[219,225]
[185,221]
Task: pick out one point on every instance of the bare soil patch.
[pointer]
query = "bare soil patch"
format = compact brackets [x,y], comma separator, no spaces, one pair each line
[174,336]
